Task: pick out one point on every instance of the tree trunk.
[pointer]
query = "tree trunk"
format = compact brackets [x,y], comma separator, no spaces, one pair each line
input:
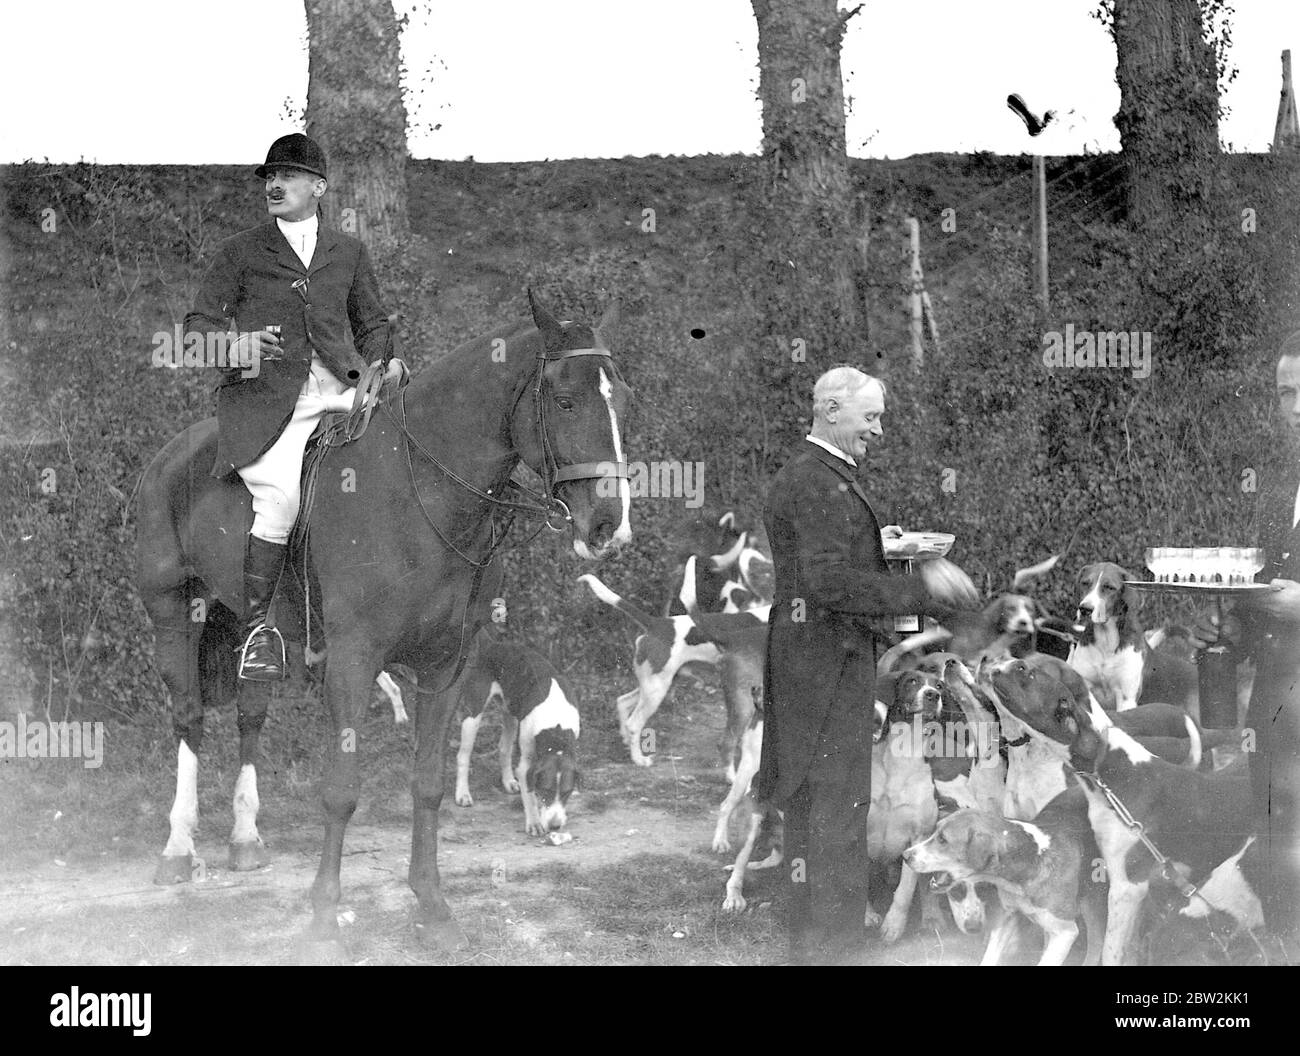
[356,113]
[1168,117]
[808,294]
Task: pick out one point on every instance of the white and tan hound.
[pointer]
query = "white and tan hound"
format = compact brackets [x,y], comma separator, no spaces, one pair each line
[1111,653]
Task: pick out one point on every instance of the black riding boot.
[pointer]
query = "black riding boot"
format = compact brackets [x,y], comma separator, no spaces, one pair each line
[262,657]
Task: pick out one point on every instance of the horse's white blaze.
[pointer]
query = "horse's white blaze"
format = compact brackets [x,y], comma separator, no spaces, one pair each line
[624,532]
[184,817]
[246,804]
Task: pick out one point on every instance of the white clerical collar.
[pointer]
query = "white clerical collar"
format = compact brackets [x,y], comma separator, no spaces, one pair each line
[298,228]
[832,449]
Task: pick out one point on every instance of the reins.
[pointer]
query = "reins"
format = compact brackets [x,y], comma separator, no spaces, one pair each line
[548,504]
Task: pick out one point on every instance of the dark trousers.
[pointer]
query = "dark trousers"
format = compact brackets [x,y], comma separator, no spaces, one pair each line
[826,836]
[1275,782]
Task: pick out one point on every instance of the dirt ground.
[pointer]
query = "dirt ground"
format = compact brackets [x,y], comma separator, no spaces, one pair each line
[639,883]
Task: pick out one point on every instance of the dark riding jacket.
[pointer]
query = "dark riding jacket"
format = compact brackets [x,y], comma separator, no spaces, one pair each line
[833,594]
[250,283]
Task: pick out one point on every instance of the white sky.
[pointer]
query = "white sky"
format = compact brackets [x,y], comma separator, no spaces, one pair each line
[172,81]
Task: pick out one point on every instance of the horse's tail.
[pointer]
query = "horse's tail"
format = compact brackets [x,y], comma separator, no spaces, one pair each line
[218,669]
[656,625]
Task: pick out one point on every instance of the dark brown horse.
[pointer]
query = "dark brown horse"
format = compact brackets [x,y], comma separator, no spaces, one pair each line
[400,532]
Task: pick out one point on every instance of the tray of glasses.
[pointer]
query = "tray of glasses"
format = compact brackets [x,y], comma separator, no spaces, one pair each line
[1206,589]
[1204,569]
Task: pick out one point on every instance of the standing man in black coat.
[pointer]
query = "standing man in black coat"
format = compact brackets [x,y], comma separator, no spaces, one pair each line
[830,617]
[306,319]
[1267,627]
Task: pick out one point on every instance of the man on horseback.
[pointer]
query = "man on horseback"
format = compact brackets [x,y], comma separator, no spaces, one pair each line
[307,317]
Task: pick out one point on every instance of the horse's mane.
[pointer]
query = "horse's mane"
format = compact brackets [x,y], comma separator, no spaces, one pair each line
[510,333]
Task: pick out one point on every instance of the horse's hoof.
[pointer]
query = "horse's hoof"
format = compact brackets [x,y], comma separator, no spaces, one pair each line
[445,936]
[178,869]
[315,952]
[247,856]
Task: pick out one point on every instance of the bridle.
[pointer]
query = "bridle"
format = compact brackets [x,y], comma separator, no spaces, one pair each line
[553,473]
[547,503]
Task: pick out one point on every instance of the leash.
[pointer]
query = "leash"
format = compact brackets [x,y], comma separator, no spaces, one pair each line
[1167,871]
[1185,887]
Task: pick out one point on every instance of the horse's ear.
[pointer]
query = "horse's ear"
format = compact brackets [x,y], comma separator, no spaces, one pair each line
[552,333]
[607,328]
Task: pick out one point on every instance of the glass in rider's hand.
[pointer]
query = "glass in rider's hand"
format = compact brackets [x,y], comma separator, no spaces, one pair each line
[267,351]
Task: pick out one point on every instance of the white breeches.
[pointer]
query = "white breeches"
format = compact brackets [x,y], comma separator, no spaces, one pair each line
[275,479]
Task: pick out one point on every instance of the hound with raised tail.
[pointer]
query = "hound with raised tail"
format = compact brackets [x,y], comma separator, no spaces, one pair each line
[1012,624]
[667,644]
[706,565]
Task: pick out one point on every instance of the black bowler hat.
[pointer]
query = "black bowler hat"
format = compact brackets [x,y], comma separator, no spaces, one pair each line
[294,151]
